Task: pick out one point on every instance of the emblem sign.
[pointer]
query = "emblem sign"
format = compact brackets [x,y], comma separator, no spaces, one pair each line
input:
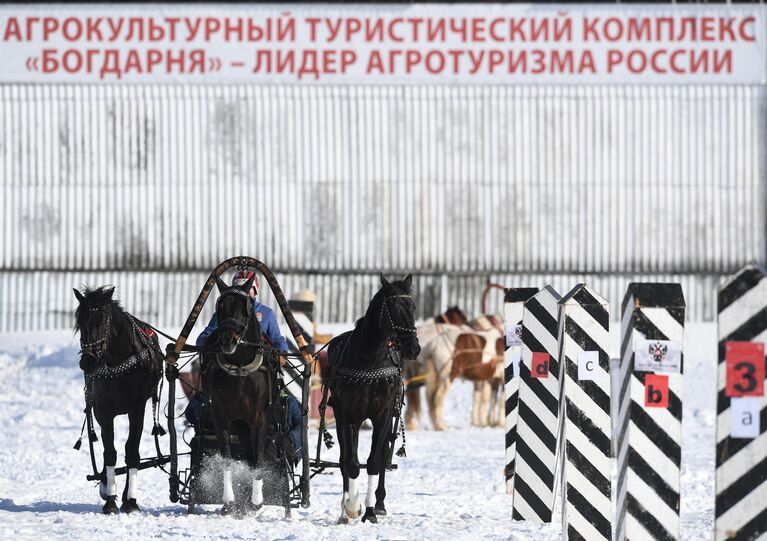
[513,335]
[664,356]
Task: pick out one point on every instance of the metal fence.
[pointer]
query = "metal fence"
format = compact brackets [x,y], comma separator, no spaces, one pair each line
[148,187]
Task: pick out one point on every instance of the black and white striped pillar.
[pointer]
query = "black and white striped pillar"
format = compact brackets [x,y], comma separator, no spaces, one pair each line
[537,425]
[514,299]
[741,442]
[585,341]
[650,424]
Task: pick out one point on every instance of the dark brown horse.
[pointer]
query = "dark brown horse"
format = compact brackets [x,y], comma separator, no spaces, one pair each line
[239,381]
[122,361]
[364,377]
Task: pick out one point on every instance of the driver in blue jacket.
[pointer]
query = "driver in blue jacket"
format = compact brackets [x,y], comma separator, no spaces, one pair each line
[265,316]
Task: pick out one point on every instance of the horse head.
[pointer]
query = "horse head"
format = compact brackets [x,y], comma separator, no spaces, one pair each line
[456,316]
[234,310]
[98,318]
[397,315]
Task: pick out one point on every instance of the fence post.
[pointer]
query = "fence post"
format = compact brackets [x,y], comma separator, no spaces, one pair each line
[513,304]
[741,444]
[539,394]
[585,341]
[650,409]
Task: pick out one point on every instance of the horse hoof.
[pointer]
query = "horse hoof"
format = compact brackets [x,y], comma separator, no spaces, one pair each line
[129,506]
[343,519]
[110,508]
[370,515]
[351,510]
[251,508]
[380,510]
[229,508]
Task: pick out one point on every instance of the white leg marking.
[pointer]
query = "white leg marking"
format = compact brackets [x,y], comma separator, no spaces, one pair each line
[133,483]
[228,490]
[352,504]
[370,499]
[111,485]
[258,492]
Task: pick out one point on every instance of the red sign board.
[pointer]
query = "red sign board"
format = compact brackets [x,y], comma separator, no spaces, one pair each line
[745,368]
[655,391]
[540,365]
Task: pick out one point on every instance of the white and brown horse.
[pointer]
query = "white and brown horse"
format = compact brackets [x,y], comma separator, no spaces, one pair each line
[472,351]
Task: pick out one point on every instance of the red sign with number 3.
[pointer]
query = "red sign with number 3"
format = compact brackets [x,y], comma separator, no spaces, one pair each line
[745,368]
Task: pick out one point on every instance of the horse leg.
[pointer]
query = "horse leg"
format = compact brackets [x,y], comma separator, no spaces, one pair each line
[439,402]
[431,394]
[222,435]
[348,434]
[133,458]
[484,401]
[257,444]
[492,420]
[475,407]
[413,408]
[108,487]
[377,466]
[498,403]
[341,436]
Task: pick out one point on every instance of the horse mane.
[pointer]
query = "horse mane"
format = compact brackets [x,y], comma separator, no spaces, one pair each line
[375,303]
[373,307]
[95,297]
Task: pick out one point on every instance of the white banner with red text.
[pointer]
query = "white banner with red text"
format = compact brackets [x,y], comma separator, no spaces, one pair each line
[383,44]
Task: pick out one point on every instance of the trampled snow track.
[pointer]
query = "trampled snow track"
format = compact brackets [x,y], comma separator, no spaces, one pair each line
[450,486]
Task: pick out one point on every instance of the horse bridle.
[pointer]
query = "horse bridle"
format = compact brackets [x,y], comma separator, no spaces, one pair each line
[248,309]
[396,329]
[97,347]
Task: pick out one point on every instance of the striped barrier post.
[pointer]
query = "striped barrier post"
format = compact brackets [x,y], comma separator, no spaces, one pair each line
[741,442]
[539,396]
[513,303]
[585,341]
[650,401]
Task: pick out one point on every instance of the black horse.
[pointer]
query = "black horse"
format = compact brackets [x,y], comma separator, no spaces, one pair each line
[364,377]
[239,380]
[122,361]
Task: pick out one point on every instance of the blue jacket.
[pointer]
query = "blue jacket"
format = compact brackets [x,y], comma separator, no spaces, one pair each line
[266,319]
[293,424]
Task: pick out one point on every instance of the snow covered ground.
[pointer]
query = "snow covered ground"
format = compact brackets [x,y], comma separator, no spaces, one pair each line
[449,487]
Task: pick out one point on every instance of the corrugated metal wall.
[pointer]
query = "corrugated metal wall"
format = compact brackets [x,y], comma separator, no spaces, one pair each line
[330,185]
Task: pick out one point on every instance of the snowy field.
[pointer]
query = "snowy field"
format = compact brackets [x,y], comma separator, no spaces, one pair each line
[449,487]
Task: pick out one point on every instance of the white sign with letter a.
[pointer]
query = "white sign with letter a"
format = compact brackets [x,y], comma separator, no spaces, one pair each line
[744,420]
[588,362]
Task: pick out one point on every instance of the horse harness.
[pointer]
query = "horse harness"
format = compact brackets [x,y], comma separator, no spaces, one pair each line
[149,353]
[256,364]
[389,373]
